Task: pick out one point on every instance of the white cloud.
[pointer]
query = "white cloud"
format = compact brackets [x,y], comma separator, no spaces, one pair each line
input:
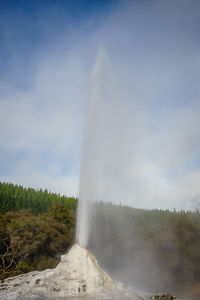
[142,145]
[30,174]
[43,125]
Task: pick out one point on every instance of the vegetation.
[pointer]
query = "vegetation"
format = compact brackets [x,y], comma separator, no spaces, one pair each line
[35,227]
[29,242]
[15,198]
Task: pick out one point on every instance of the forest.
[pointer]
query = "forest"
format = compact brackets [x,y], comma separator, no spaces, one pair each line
[15,198]
[151,249]
[35,228]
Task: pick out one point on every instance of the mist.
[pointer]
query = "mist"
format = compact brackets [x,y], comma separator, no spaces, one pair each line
[141,143]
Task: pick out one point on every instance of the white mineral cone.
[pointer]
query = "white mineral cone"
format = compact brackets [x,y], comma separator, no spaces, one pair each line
[77,273]
[82,267]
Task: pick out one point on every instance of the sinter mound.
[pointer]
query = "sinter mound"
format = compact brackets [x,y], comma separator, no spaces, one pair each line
[77,273]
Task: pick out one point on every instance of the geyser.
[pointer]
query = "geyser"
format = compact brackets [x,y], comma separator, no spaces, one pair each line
[78,273]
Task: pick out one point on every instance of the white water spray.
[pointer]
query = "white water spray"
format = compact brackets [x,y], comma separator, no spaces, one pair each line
[89,179]
[105,146]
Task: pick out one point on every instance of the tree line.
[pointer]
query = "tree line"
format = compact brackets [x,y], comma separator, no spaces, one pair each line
[16,197]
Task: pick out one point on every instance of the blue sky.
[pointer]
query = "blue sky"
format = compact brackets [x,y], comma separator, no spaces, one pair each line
[31,31]
[28,27]
[132,69]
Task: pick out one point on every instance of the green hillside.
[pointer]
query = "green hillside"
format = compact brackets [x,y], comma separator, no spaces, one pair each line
[16,197]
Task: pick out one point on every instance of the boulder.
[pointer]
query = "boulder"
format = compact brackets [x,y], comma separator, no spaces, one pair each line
[165,296]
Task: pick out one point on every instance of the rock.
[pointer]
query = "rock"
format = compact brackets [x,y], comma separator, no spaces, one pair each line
[77,273]
[165,296]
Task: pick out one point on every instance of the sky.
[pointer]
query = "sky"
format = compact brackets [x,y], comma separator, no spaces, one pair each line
[105,95]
